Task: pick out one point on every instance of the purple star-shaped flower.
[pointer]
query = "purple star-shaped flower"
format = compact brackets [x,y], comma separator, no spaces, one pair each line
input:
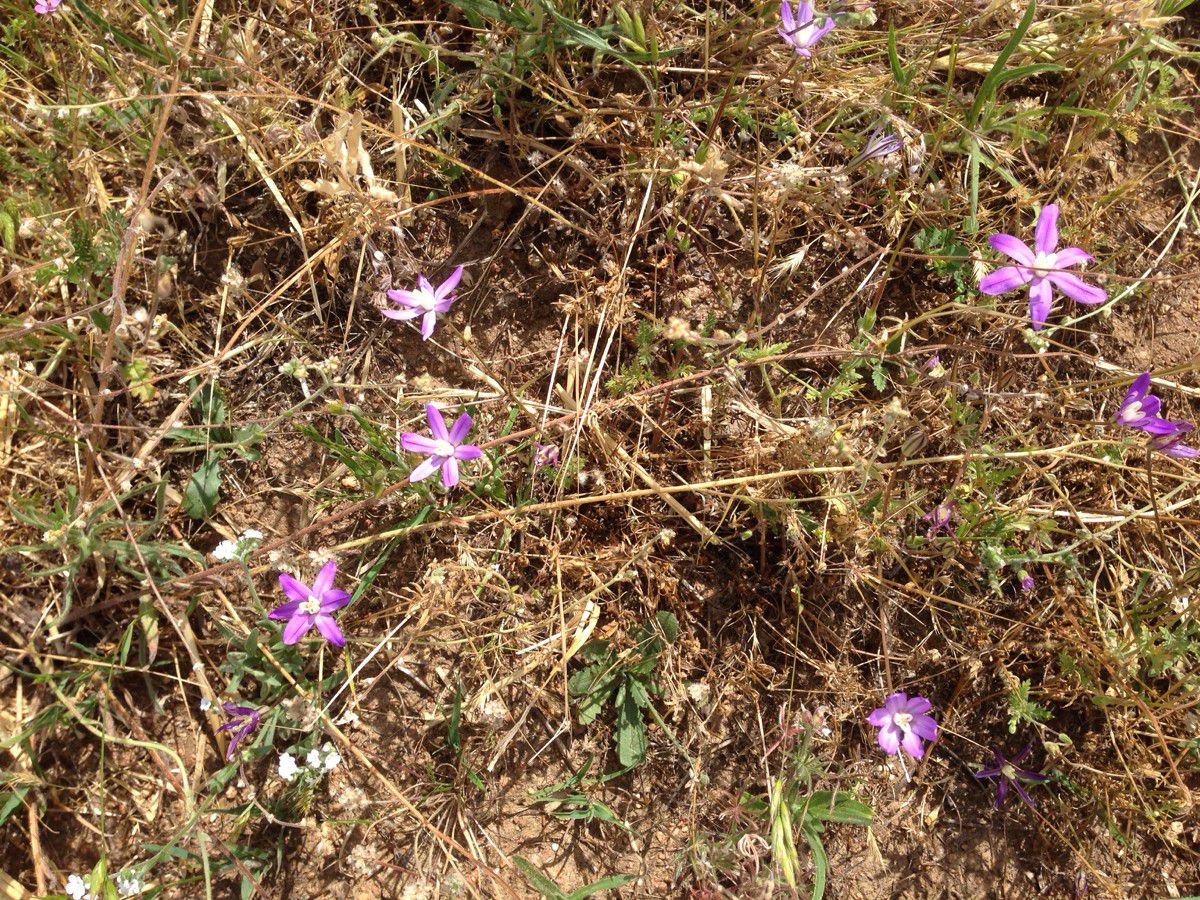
[426,301]
[1008,773]
[799,29]
[307,607]
[243,722]
[1140,409]
[444,449]
[940,518]
[45,7]
[1041,270]
[902,722]
[1170,442]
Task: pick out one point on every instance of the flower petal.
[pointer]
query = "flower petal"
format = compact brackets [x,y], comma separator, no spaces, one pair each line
[460,429]
[1181,451]
[424,284]
[467,451]
[918,705]
[332,633]
[401,315]
[334,599]
[427,325]
[1001,792]
[286,611]
[437,423]
[418,443]
[785,16]
[1077,289]
[879,717]
[425,469]
[294,589]
[1041,299]
[1072,256]
[324,580]
[912,743]
[449,284]
[1004,279]
[450,472]
[804,12]
[1012,247]
[1045,233]
[1137,390]
[889,738]
[407,298]
[926,727]
[297,627]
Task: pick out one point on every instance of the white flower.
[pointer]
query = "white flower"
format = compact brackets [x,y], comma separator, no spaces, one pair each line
[205,704]
[225,551]
[129,885]
[332,758]
[287,766]
[78,888]
[314,759]
[252,534]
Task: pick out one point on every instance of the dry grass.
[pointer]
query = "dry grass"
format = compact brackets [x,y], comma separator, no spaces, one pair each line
[675,276]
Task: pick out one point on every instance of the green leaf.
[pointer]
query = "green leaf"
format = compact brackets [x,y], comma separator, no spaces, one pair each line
[992,80]
[631,730]
[836,806]
[595,685]
[538,880]
[668,624]
[203,489]
[898,73]
[604,884]
[820,863]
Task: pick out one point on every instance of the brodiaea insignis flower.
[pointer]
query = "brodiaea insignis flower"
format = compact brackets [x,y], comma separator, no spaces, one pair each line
[940,518]
[445,449]
[1140,408]
[1171,444]
[1008,773]
[799,29]
[903,722]
[45,7]
[307,607]
[243,722]
[1041,269]
[426,301]
[879,145]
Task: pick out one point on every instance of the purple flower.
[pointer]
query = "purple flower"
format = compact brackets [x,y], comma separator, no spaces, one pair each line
[544,455]
[244,719]
[1027,582]
[1041,270]
[1170,442]
[1140,408]
[308,607]
[45,7]
[799,29]
[940,518]
[444,449]
[903,723]
[1008,773]
[425,301]
[879,145]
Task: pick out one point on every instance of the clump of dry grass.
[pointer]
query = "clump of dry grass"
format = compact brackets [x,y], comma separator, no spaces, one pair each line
[653,659]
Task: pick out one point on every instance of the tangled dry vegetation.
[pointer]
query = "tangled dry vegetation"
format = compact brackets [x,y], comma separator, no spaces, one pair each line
[634,651]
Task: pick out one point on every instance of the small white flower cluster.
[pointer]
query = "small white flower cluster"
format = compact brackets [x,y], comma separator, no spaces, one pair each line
[129,884]
[227,551]
[78,888]
[316,763]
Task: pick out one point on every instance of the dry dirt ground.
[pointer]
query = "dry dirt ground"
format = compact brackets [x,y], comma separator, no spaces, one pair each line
[721,474]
